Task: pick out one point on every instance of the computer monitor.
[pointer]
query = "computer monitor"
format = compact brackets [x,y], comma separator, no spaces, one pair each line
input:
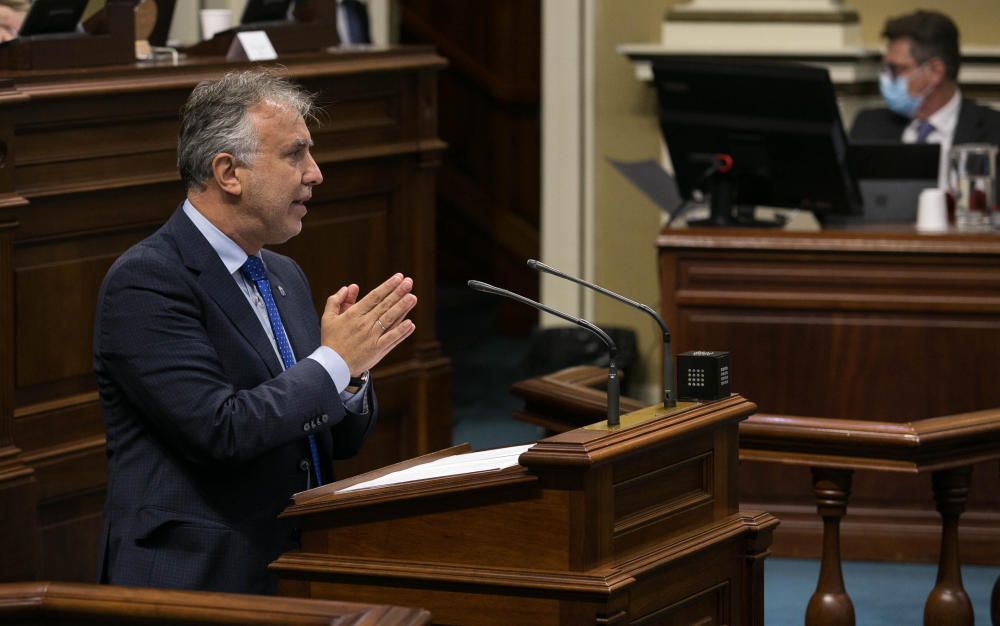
[754,134]
[49,17]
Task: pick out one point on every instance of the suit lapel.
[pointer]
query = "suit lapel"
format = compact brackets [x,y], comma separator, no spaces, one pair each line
[199,256]
[968,129]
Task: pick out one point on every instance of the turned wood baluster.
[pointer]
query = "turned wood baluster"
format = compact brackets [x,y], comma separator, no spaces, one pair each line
[995,603]
[948,604]
[830,605]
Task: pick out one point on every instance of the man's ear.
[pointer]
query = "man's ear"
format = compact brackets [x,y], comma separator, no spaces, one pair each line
[937,69]
[224,168]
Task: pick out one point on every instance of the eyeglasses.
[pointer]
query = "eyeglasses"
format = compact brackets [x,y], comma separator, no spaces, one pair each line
[900,70]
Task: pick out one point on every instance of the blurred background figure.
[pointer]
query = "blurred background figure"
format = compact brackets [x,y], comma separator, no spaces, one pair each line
[352,22]
[11,15]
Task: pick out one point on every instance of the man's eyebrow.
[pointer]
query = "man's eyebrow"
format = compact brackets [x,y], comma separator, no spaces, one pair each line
[299,142]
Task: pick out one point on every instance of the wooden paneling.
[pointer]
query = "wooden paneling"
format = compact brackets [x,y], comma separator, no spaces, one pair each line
[876,324]
[490,96]
[91,170]
[18,485]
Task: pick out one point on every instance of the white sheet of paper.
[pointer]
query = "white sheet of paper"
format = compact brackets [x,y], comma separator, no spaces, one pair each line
[454,465]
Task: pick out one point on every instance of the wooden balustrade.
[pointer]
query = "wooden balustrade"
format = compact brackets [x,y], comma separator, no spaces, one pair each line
[945,447]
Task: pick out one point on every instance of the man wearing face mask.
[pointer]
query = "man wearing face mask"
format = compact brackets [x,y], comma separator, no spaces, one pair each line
[920,86]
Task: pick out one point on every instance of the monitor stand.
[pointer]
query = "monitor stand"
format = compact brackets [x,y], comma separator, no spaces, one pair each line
[724,214]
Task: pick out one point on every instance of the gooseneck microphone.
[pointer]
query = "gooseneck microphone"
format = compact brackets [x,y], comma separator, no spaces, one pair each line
[669,397]
[613,381]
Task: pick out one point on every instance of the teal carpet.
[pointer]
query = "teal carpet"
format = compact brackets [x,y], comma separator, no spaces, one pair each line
[884,594]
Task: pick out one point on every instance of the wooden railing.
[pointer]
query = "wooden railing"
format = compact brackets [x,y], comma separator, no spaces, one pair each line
[68,604]
[946,447]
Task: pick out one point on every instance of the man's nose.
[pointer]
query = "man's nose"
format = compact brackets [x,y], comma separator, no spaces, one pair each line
[313,176]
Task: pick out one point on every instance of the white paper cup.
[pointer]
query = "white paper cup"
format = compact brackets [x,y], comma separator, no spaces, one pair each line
[932,211]
[214,21]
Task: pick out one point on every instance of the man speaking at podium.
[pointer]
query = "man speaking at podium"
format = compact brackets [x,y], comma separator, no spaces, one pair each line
[221,390]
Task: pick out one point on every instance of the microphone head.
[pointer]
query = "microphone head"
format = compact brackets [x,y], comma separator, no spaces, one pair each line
[533,264]
[477,285]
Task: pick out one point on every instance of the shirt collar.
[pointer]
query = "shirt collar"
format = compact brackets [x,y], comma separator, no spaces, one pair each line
[232,255]
[945,119]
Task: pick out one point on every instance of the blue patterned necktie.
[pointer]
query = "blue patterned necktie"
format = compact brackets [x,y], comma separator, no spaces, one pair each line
[924,129]
[253,269]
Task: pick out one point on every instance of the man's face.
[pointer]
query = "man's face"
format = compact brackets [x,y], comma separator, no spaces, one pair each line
[900,62]
[277,184]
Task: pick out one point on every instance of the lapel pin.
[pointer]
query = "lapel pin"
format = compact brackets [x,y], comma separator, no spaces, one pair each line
[281,290]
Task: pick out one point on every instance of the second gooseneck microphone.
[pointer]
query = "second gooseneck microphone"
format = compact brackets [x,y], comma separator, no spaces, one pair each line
[614,384]
[669,396]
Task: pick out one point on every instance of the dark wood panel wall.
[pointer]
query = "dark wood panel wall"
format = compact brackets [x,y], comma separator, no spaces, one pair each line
[90,169]
[880,325]
[490,99]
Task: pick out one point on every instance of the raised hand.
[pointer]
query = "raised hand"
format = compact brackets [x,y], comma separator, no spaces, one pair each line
[363,332]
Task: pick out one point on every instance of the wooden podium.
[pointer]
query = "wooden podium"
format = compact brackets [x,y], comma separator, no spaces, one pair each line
[634,524]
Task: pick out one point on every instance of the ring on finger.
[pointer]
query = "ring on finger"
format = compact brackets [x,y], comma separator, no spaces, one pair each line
[381,326]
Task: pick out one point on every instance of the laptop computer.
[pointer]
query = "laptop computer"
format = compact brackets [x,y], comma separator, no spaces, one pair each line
[891,177]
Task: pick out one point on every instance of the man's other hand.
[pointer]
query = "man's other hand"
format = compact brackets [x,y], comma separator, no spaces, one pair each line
[364,331]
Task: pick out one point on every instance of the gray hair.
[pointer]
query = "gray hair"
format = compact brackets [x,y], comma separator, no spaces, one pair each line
[214,119]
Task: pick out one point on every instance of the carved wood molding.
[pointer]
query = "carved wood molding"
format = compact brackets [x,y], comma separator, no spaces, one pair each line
[922,446]
[13,466]
[653,426]
[74,448]
[123,605]
[901,239]
[781,17]
[117,80]
[601,581]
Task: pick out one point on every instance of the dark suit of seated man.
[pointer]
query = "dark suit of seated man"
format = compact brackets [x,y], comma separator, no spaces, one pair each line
[920,88]
[222,391]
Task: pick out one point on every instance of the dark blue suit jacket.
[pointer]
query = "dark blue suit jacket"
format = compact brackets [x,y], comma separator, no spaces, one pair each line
[206,435]
[976,124]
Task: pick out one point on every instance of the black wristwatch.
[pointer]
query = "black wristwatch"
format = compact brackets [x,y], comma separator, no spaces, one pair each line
[359,381]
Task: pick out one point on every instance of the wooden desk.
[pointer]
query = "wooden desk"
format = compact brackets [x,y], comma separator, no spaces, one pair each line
[874,324]
[89,168]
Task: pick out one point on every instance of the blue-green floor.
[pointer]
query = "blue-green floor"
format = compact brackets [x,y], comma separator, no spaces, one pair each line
[884,594]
